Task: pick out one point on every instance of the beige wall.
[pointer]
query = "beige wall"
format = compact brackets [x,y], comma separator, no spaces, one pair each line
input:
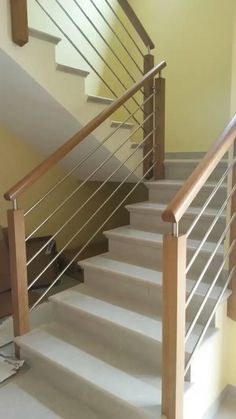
[195,37]
[233,90]
[66,53]
[230,326]
[17,158]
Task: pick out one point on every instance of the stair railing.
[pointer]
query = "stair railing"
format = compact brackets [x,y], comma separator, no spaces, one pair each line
[126,54]
[178,265]
[130,64]
[133,176]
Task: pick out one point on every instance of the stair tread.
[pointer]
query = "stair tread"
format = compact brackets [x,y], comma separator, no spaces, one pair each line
[72,70]
[171,182]
[100,99]
[106,352]
[33,394]
[108,264]
[154,239]
[83,298]
[100,374]
[126,125]
[153,207]
[191,161]
[44,36]
[118,267]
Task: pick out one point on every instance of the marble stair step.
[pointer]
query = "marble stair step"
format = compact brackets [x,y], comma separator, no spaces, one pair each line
[132,245]
[162,191]
[109,390]
[147,216]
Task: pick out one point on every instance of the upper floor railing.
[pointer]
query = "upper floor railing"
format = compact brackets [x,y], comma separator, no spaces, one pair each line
[218,273]
[111,48]
[20,33]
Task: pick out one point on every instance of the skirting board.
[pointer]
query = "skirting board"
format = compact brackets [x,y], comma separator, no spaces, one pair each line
[229,391]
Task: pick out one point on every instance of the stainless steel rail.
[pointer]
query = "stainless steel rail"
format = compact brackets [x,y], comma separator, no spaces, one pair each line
[211,196]
[91,238]
[105,41]
[222,237]
[82,206]
[209,320]
[210,289]
[86,180]
[124,27]
[77,166]
[94,48]
[81,53]
[117,37]
[220,212]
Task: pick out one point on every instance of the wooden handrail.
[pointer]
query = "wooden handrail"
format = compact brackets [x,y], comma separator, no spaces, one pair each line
[130,13]
[62,151]
[185,196]
[19,22]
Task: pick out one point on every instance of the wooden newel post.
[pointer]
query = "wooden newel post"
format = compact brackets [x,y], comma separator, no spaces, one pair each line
[232,259]
[18,268]
[19,22]
[174,296]
[148,110]
[159,125]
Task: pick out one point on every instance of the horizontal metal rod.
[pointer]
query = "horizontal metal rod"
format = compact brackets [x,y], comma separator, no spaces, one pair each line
[96,232]
[209,321]
[210,289]
[94,48]
[124,27]
[105,41]
[222,237]
[76,234]
[82,55]
[211,197]
[117,37]
[83,183]
[210,229]
[82,206]
[77,166]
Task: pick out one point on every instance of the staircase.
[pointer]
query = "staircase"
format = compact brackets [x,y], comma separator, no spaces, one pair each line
[103,347]
[133,340]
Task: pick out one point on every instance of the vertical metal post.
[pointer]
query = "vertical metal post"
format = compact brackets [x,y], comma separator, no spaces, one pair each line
[174,295]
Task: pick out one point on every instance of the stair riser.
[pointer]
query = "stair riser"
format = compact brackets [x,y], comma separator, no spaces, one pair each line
[137,295]
[151,256]
[81,389]
[164,194]
[146,297]
[134,344]
[153,223]
[182,171]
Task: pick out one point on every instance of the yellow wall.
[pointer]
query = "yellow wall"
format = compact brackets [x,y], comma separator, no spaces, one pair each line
[17,158]
[195,37]
[233,90]
[230,326]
